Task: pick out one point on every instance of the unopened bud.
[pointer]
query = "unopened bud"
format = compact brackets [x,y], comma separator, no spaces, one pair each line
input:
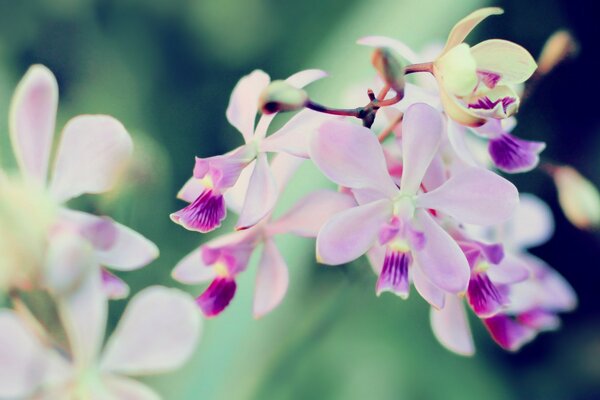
[281,96]
[578,197]
[558,47]
[389,69]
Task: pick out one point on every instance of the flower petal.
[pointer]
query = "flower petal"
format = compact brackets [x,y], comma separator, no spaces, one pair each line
[511,61]
[402,49]
[473,196]
[191,190]
[217,296]
[114,287]
[508,333]
[243,104]
[92,153]
[426,289]
[351,156]
[440,259]
[463,27]
[158,332]
[512,154]
[532,224]
[350,233]
[510,270]
[394,274]
[484,297]
[192,270]
[31,121]
[119,387]
[306,77]
[310,213]
[457,111]
[422,130]
[22,359]
[271,280]
[451,327]
[204,214]
[261,196]
[127,249]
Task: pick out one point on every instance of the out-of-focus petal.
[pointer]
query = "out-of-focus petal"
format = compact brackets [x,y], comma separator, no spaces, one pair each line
[351,156]
[271,280]
[294,137]
[261,196]
[463,27]
[422,130]
[457,138]
[511,61]
[306,77]
[426,289]
[128,250]
[349,234]
[440,259]
[474,196]
[83,314]
[510,270]
[508,333]
[485,298]
[310,213]
[243,104]
[396,45]
[579,199]
[127,389]
[192,270]
[114,287]
[451,327]
[512,154]
[22,358]
[93,151]
[235,196]
[158,332]
[217,296]
[31,121]
[532,224]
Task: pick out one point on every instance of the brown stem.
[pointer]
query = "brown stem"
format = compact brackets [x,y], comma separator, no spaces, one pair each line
[348,112]
[390,128]
[422,67]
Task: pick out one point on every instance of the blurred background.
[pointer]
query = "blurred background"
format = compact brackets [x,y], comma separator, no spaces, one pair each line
[166,69]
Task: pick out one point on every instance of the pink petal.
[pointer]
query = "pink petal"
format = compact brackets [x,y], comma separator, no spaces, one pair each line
[474,196]
[31,121]
[271,280]
[204,214]
[350,233]
[310,213]
[426,289]
[451,327]
[463,27]
[381,41]
[440,259]
[114,287]
[243,104]
[510,270]
[351,156]
[261,196]
[191,190]
[119,387]
[422,130]
[128,250]
[93,152]
[294,137]
[235,196]
[508,333]
[532,224]
[22,357]
[192,270]
[158,332]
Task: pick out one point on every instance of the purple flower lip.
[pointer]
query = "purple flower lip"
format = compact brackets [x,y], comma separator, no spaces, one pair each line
[394,274]
[484,297]
[488,78]
[507,332]
[204,214]
[217,296]
[484,103]
[511,154]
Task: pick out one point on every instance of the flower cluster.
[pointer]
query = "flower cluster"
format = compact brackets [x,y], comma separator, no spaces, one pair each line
[418,193]
[60,257]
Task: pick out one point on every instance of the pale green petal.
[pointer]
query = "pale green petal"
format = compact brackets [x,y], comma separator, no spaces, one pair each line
[511,61]
[458,70]
[460,31]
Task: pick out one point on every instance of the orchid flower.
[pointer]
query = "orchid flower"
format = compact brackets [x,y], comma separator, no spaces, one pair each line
[157,333]
[214,176]
[92,152]
[222,259]
[400,218]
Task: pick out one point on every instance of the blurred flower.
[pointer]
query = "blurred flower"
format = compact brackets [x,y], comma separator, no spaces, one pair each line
[92,152]
[157,333]
[578,197]
[213,176]
[400,219]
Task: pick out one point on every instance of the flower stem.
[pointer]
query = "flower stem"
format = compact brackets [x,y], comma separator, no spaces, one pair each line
[390,128]
[422,67]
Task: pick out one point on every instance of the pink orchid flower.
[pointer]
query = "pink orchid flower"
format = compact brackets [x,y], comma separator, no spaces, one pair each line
[400,218]
[214,176]
[157,333]
[92,152]
[222,259]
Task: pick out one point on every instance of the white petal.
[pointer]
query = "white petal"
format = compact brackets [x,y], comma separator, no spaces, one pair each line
[235,195]
[451,327]
[243,104]
[192,270]
[272,280]
[261,196]
[432,294]
[303,78]
[93,152]
[158,332]
[127,389]
[31,121]
[533,223]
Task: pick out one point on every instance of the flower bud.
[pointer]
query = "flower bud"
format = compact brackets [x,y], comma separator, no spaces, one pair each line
[578,198]
[558,47]
[389,69]
[281,96]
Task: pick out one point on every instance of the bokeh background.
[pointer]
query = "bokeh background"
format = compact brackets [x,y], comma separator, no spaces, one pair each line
[166,69]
